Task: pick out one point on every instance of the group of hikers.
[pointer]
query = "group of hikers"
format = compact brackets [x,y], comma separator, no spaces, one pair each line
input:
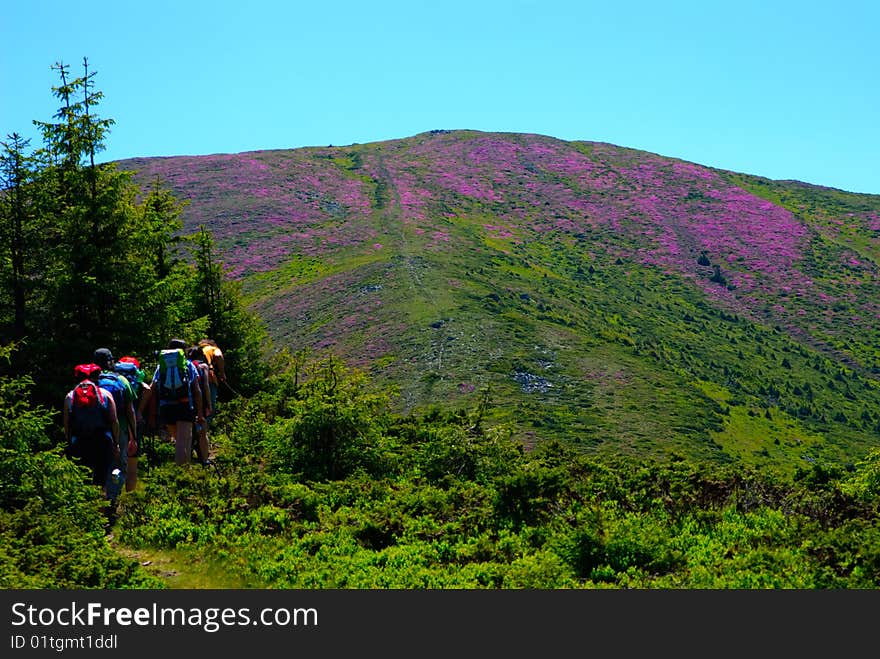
[114,405]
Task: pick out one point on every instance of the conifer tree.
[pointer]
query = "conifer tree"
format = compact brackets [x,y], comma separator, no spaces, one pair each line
[219,302]
[16,220]
[161,303]
[209,277]
[88,206]
[160,227]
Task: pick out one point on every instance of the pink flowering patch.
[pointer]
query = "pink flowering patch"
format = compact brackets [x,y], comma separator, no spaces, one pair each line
[499,231]
[276,202]
[432,189]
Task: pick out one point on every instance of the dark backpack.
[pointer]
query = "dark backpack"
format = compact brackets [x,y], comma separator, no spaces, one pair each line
[173,377]
[88,412]
[119,388]
[132,373]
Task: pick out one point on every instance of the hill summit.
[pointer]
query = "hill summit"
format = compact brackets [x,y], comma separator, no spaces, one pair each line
[619,300]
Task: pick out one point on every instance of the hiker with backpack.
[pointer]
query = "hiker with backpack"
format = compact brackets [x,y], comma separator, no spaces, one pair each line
[123,397]
[130,368]
[91,426]
[175,385]
[217,365]
[197,357]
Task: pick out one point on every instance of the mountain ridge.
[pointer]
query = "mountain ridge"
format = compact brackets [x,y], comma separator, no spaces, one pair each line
[578,281]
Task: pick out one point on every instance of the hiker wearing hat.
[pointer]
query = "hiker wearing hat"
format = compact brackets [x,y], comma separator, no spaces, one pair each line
[124,399]
[91,426]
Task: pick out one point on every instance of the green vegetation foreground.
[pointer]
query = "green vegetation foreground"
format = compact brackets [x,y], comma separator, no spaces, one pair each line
[320,485]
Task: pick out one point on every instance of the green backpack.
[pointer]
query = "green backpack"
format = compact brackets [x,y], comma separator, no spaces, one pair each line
[174,384]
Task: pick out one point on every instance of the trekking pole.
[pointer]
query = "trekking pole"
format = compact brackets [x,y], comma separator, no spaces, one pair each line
[229,386]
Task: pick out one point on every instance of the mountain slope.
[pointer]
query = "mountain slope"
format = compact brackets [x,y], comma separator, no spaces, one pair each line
[613,298]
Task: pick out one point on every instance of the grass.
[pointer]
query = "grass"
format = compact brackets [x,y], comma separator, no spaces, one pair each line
[187,569]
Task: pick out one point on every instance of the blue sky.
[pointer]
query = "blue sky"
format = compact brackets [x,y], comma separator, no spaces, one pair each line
[782,89]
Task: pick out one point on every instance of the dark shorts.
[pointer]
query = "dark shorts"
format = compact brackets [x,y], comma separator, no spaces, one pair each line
[174,412]
[96,453]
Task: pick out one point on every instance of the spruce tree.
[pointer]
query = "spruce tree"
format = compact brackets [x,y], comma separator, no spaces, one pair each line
[87,204]
[219,302]
[16,222]
[164,303]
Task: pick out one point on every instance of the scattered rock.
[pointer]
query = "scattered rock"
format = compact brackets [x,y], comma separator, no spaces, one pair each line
[531,383]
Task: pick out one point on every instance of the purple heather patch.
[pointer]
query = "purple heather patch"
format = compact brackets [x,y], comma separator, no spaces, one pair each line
[265,206]
[499,231]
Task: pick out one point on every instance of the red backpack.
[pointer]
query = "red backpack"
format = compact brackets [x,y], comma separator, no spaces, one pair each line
[86,371]
[88,408]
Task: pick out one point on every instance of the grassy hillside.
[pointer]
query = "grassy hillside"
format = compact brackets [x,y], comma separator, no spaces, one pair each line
[623,302]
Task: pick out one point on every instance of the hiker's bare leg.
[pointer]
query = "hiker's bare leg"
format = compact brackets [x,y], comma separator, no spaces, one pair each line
[131,474]
[183,443]
[204,446]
